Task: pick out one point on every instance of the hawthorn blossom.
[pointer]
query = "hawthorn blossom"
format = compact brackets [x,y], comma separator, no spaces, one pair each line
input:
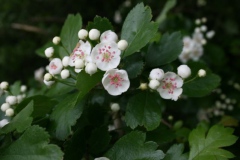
[82,51]
[109,36]
[106,55]
[55,66]
[116,81]
[170,86]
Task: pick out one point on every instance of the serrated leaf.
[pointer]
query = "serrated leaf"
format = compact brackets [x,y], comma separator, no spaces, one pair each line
[133,147]
[32,145]
[208,146]
[138,29]
[21,121]
[165,51]
[102,24]
[176,153]
[69,32]
[143,109]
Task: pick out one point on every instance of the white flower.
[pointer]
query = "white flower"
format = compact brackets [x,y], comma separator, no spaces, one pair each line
[79,64]
[55,66]
[115,107]
[210,34]
[48,83]
[82,34]
[65,61]
[94,34]
[184,71]
[65,74]
[91,68]
[122,44]
[203,28]
[81,52]
[23,88]
[56,40]
[170,86]
[3,123]
[38,74]
[5,106]
[153,84]
[48,77]
[106,55]
[108,36]
[116,81]
[156,74]
[12,100]
[201,73]
[102,158]
[9,112]
[49,52]
[4,85]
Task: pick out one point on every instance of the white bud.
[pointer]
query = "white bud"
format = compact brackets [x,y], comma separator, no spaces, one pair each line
[77,70]
[82,34]
[143,86]
[9,112]
[23,88]
[79,64]
[210,34]
[49,52]
[3,123]
[48,83]
[108,36]
[65,74]
[122,44]
[203,41]
[65,61]
[204,19]
[94,34]
[184,71]
[115,107]
[156,74]
[197,30]
[101,158]
[19,98]
[153,84]
[48,77]
[201,73]
[197,21]
[4,85]
[12,100]
[5,106]
[91,68]
[56,40]
[203,28]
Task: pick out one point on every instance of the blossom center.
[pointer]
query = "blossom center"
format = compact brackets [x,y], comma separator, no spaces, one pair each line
[106,53]
[53,66]
[169,84]
[115,80]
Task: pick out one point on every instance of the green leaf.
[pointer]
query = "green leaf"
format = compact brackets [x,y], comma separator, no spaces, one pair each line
[208,146]
[165,51]
[69,32]
[176,153]
[15,88]
[168,5]
[32,145]
[133,147]
[102,24]
[144,109]
[21,121]
[138,29]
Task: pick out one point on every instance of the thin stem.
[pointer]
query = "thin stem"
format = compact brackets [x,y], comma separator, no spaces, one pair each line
[191,79]
[166,123]
[66,83]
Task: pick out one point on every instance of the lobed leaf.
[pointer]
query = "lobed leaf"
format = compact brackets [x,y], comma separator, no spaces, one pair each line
[102,24]
[176,153]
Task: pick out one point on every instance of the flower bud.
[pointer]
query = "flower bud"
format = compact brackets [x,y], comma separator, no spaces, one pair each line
[12,100]
[143,86]
[4,85]
[203,28]
[3,123]
[210,34]
[65,61]
[49,52]
[184,71]
[156,74]
[9,112]
[153,84]
[79,63]
[122,44]
[23,88]
[108,36]
[56,40]
[48,77]
[77,70]
[197,21]
[55,66]
[94,34]
[101,158]
[115,107]
[65,74]
[91,68]
[19,98]
[48,83]
[201,73]
[5,106]
[82,34]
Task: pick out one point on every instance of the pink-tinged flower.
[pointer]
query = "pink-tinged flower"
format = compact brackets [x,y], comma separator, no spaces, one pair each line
[55,66]
[109,36]
[82,51]
[116,81]
[106,55]
[170,86]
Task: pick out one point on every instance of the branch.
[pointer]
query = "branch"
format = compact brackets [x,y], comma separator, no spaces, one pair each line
[28,28]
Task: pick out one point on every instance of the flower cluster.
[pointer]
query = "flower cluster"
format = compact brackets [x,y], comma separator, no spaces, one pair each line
[193,46]
[104,56]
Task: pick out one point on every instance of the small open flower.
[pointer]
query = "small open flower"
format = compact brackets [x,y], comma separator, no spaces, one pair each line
[116,81]
[55,66]
[109,36]
[170,86]
[106,55]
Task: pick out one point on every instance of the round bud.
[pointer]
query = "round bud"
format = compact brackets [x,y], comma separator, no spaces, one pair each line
[184,71]
[49,52]
[115,107]
[23,88]
[91,68]
[48,83]
[4,85]
[77,70]
[48,77]
[197,30]
[122,44]
[108,36]
[156,74]
[5,106]
[19,98]
[203,28]
[12,100]
[3,123]
[101,158]
[65,61]
[203,41]
[197,21]
[56,40]
[82,34]
[94,34]
[204,19]
[79,63]
[65,74]
[9,112]
[210,34]
[143,86]
[153,84]
[201,73]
